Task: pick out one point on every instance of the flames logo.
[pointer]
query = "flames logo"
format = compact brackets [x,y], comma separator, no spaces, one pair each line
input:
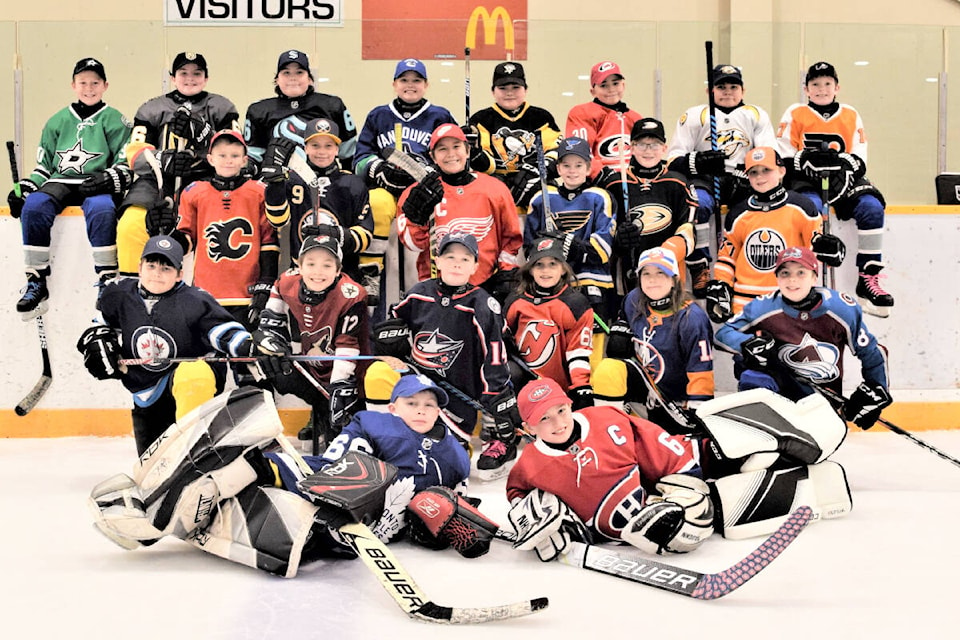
[228,239]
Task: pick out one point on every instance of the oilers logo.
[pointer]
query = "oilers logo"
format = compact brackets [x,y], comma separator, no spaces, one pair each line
[153,342]
[538,342]
[762,247]
[434,351]
[228,239]
[816,361]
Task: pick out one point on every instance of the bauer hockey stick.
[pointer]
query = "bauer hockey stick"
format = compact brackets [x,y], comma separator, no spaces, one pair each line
[714,145]
[403,161]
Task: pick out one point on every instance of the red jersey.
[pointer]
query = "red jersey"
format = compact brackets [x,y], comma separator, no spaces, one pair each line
[603,476]
[606,130]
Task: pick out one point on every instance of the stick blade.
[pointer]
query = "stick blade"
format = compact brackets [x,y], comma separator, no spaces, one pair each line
[31,399]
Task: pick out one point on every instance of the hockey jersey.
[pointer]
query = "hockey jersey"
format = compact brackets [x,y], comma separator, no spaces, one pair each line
[606,129]
[803,127]
[510,139]
[738,130]
[378,132]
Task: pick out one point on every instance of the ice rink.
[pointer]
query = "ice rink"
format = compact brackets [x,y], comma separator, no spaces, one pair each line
[885,571]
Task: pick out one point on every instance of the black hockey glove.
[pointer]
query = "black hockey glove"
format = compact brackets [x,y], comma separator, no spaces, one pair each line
[865,404]
[16,201]
[259,294]
[386,176]
[391,338]
[830,249]
[853,165]
[620,341]
[719,298]
[707,163]
[506,417]
[344,402]
[472,135]
[758,351]
[523,184]
[273,169]
[582,397]
[814,163]
[422,198]
[578,251]
[162,217]
[191,128]
[100,347]
[274,354]
[502,284]
[629,234]
[176,163]
[113,181]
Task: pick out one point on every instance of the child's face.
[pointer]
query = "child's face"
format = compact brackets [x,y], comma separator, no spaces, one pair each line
[293,80]
[190,79]
[510,96]
[795,281]
[89,87]
[158,277]
[547,272]
[610,91]
[727,94]
[648,151]
[322,151]
[556,425]
[410,86]
[227,158]
[318,269]
[419,411]
[822,91]
[451,155]
[654,283]
[573,170]
[764,179]
[456,265]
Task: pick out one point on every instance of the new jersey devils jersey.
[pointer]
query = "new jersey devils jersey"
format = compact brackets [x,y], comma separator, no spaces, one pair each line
[606,129]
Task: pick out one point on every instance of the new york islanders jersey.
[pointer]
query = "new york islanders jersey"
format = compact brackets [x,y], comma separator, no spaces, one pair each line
[510,139]
[378,132]
[742,128]
[606,129]
[803,127]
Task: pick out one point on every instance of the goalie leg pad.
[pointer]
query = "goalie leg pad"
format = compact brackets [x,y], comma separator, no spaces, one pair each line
[118,512]
[450,519]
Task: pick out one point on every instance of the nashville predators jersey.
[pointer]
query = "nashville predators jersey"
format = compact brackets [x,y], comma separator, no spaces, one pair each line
[738,130]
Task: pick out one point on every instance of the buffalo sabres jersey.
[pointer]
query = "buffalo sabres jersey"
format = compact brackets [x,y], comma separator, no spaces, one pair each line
[604,475]
[742,128]
[511,139]
[606,129]
[803,127]
[379,132]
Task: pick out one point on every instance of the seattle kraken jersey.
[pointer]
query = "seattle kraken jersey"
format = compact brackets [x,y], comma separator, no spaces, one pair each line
[511,139]
[742,128]
[378,133]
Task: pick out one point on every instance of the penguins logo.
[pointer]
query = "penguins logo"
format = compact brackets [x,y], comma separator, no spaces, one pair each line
[538,342]
[435,351]
[762,247]
[228,239]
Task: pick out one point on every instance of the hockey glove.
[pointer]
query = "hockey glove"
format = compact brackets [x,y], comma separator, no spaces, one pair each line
[113,181]
[629,234]
[578,251]
[719,298]
[176,163]
[344,402]
[506,417]
[865,404]
[439,518]
[16,201]
[523,184]
[758,351]
[689,493]
[472,134]
[100,347]
[274,354]
[386,176]
[707,163]
[422,198]
[392,338]
[190,128]
[582,397]
[814,163]
[503,283]
[259,294]
[620,341]
[830,249]
[162,217]
[545,524]
[333,230]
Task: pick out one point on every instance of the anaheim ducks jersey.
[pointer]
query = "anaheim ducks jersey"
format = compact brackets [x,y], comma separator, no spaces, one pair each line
[756,231]
[742,128]
[803,127]
[230,233]
[378,132]
[553,334]
[510,139]
[606,129]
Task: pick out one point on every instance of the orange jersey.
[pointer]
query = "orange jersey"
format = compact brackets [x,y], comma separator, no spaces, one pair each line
[802,127]
[607,131]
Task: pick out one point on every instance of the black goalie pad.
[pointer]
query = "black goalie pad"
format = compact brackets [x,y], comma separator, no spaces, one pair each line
[352,489]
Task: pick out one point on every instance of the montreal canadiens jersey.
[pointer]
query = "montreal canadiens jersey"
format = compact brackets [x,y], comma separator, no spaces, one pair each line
[229,232]
[743,128]
[811,343]
[607,131]
[378,132]
[603,476]
[676,348]
[511,140]
[803,127]
[553,334]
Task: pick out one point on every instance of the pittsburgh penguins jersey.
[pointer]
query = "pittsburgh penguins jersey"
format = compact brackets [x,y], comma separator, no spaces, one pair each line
[604,475]
[757,230]
[587,213]
[606,129]
[379,132]
[553,334]
[484,209]
[811,343]
[676,348]
[803,127]
[234,244]
[73,147]
[742,128]
[510,139]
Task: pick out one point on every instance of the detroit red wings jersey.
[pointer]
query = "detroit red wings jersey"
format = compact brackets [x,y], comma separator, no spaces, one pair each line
[606,130]
[229,231]
[743,128]
[803,127]
[605,474]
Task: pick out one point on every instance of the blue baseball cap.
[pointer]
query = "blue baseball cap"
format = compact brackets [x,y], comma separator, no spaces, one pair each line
[467,240]
[410,64]
[574,146]
[413,384]
[165,246]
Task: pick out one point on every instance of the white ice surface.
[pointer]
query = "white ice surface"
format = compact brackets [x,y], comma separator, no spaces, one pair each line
[885,571]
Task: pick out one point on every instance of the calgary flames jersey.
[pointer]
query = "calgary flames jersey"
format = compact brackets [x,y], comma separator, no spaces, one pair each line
[802,127]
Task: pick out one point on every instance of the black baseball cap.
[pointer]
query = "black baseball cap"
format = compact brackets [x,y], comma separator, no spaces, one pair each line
[165,246]
[90,64]
[545,247]
[509,73]
[329,243]
[298,57]
[648,128]
[821,69]
[188,57]
[574,146]
[322,127]
[727,73]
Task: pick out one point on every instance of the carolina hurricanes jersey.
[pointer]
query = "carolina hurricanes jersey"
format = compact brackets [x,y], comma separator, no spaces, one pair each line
[229,232]
[511,139]
[744,127]
[755,233]
[484,209]
[554,334]
[607,131]
[378,132]
[603,476]
[676,348]
[803,127]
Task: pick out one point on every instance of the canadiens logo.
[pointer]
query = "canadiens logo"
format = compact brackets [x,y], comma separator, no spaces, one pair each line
[539,393]
[814,360]
[435,351]
[153,342]
[538,342]
[228,239]
[762,248]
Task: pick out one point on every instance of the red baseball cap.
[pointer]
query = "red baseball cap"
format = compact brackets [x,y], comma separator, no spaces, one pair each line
[801,255]
[539,396]
[603,70]
[446,130]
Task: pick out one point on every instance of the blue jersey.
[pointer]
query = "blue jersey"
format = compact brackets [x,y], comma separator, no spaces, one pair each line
[378,133]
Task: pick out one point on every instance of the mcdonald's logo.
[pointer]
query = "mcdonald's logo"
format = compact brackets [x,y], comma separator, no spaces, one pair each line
[490,20]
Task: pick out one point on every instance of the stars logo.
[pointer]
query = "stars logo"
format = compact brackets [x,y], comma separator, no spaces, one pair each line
[349,290]
[73,160]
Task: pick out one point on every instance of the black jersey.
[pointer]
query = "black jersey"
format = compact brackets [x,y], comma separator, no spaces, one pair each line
[510,139]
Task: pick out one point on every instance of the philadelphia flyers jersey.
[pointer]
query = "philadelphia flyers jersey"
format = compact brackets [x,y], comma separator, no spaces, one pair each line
[229,232]
[803,127]
[742,128]
[554,334]
[604,476]
[511,138]
[606,129]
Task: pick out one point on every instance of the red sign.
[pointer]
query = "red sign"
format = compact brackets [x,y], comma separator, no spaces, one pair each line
[396,29]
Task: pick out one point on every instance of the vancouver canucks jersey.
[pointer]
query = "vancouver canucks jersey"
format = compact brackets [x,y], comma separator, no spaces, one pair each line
[378,132]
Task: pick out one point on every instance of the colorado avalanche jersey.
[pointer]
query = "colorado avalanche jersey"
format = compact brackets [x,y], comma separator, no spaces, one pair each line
[378,132]
[803,127]
[606,129]
[511,139]
[738,130]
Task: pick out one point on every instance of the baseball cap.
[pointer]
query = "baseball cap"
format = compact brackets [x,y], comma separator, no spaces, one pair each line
[446,130]
[545,247]
[802,255]
[188,57]
[663,259]
[90,64]
[409,385]
[603,70]
[509,73]
[410,64]
[648,128]
[235,135]
[329,243]
[727,73]
[293,55]
[765,156]
[322,127]
[165,246]
[539,396]
[819,69]
[465,239]
[574,146]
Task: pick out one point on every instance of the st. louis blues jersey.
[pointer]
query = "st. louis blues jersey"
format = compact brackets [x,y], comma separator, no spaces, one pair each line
[378,132]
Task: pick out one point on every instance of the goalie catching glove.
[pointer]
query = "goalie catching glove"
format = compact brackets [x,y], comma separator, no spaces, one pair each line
[545,524]
[439,518]
[677,521]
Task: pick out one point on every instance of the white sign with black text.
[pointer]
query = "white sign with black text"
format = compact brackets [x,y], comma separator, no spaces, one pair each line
[280,13]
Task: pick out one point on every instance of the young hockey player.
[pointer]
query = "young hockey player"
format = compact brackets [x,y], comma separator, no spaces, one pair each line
[177,127]
[551,323]
[757,229]
[80,161]
[453,330]
[599,473]
[605,122]
[827,136]
[663,331]
[160,317]
[455,199]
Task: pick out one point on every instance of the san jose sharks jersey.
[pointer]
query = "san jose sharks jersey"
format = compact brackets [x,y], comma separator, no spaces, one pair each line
[378,132]
[510,139]
[606,129]
[738,130]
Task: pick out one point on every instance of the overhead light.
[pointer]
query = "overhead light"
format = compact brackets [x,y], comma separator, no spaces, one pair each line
[583,77]
[932,79]
[444,79]
[861,63]
[446,63]
[567,94]
[323,79]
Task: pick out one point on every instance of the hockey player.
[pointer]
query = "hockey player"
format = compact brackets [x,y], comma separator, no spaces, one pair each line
[663,331]
[605,122]
[455,199]
[827,136]
[599,473]
[757,229]
[177,127]
[161,317]
[80,161]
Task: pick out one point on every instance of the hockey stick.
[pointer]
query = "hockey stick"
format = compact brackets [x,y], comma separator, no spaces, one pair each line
[830,276]
[241,359]
[712,105]
[671,407]
[687,582]
[549,221]
[466,83]
[403,161]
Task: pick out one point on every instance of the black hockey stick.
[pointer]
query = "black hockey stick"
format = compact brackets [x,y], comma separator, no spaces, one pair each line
[829,275]
[549,221]
[714,145]
[240,359]
[668,405]
[466,84]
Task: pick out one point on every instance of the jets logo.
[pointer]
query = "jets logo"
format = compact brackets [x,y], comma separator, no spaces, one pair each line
[228,239]
[74,159]
[814,360]
[153,342]
[762,247]
[435,351]
[538,342]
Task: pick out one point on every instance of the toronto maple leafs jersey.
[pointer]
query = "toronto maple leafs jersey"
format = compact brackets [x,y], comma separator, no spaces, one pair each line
[511,138]
[738,130]
[606,129]
[378,132]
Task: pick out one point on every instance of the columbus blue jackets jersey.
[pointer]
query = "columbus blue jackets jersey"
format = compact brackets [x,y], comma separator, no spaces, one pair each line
[378,133]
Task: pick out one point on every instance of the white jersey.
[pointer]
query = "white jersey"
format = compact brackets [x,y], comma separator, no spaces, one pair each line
[744,128]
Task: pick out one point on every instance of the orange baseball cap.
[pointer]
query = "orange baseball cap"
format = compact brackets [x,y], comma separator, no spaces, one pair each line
[764,156]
